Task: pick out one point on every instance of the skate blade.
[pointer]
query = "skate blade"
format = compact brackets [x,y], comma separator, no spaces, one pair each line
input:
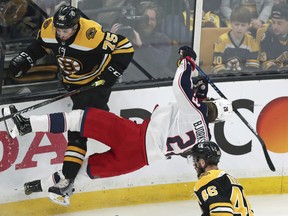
[9,124]
[60,200]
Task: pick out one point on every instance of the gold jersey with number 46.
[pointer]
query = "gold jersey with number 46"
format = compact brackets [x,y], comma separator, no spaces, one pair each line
[220,194]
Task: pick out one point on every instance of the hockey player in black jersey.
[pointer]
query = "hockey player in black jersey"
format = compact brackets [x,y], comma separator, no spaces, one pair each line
[84,54]
[218,192]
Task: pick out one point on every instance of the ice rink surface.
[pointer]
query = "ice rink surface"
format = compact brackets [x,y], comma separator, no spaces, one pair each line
[267,205]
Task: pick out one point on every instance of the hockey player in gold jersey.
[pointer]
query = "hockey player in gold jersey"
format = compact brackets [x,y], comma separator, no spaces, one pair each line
[218,193]
[236,50]
[85,54]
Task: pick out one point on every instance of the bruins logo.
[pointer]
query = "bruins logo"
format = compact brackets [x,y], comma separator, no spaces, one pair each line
[90,33]
[47,23]
[69,65]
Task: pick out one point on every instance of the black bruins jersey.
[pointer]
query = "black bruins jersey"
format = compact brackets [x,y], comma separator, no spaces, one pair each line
[273,50]
[89,54]
[219,194]
[227,56]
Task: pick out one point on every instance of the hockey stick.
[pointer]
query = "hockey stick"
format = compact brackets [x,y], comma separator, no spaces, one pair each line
[68,94]
[148,75]
[267,157]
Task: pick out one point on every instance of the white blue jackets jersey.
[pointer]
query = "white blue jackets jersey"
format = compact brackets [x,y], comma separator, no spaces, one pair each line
[176,127]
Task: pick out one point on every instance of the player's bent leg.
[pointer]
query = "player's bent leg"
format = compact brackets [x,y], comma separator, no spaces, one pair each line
[17,125]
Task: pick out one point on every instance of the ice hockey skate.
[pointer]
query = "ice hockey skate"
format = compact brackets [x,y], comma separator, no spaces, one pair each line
[17,125]
[61,192]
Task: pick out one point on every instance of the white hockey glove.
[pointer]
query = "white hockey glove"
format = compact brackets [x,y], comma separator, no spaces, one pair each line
[224,109]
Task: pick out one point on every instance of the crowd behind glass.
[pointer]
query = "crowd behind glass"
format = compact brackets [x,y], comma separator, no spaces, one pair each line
[157,28]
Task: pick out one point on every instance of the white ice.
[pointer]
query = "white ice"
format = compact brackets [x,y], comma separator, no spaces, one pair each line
[267,205]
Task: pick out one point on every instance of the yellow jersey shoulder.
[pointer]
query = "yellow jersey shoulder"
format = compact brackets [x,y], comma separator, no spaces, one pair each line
[90,34]
[221,42]
[224,38]
[208,177]
[47,29]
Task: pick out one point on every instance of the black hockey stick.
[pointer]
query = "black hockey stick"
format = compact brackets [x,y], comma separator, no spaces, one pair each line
[68,94]
[268,159]
[150,77]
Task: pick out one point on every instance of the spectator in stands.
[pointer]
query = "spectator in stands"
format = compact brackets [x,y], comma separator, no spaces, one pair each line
[152,48]
[273,44]
[236,50]
[210,16]
[211,13]
[260,9]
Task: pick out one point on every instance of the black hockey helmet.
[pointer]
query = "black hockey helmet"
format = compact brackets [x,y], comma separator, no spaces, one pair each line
[66,17]
[208,151]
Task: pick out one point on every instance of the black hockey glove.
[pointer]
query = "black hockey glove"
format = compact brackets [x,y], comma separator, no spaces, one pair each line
[187,51]
[200,86]
[20,64]
[111,74]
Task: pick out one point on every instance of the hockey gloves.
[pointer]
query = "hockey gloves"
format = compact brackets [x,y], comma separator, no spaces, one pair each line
[200,86]
[20,64]
[187,53]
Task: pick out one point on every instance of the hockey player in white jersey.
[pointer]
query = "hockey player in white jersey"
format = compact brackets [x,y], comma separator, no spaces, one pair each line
[172,129]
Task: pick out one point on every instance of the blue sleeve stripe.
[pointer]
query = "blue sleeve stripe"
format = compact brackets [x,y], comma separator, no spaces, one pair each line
[57,123]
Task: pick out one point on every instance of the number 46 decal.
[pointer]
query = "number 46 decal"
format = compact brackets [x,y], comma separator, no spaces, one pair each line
[209,192]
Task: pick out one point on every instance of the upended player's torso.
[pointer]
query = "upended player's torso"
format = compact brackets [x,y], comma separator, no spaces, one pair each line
[171,131]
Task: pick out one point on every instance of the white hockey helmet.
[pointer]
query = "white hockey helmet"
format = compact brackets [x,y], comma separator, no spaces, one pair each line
[224,109]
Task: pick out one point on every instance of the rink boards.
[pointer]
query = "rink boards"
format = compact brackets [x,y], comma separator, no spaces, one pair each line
[262,103]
